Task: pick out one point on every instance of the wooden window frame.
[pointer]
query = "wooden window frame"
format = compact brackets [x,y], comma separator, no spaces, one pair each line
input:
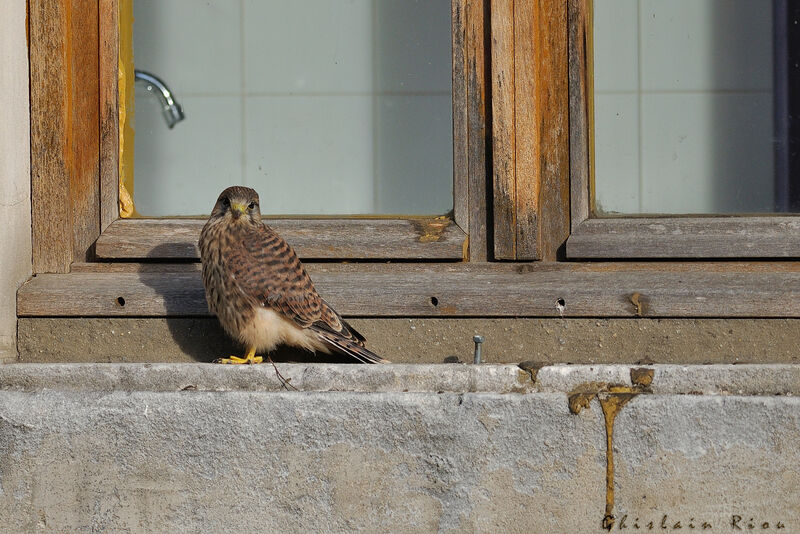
[319,238]
[529,93]
[521,145]
[764,236]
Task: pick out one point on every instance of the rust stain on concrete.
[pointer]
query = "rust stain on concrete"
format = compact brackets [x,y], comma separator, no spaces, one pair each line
[531,368]
[641,376]
[580,397]
[612,398]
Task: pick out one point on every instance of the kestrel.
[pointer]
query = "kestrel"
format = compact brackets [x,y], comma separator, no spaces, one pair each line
[260,291]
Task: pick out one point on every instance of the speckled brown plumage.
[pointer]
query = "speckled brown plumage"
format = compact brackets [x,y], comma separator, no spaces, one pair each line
[258,288]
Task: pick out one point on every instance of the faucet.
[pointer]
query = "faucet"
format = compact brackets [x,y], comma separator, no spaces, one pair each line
[173,113]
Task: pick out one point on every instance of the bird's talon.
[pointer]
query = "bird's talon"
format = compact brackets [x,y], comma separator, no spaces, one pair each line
[249,359]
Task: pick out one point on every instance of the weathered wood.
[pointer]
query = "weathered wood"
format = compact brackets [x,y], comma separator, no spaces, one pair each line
[64,131]
[51,214]
[543,128]
[420,238]
[530,83]
[503,133]
[132,267]
[84,120]
[461,212]
[447,291]
[657,267]
[529,122]
[687,237]
[476,23]
[580,90]
[109,112]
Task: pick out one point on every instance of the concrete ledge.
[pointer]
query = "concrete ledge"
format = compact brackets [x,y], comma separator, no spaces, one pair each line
[776,379]
[397,448]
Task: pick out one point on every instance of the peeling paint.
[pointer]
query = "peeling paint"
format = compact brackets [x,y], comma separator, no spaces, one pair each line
[431,230]
[125,80]
[638,301]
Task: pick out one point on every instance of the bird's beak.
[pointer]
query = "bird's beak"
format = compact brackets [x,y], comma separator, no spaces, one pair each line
[238,209]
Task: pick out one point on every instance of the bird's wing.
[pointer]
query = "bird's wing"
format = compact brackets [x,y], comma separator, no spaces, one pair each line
[267,270]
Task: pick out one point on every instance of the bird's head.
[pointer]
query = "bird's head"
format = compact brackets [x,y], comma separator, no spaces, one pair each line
[238,203]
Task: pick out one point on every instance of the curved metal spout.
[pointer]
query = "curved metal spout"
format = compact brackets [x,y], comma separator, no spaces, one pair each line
[173,113]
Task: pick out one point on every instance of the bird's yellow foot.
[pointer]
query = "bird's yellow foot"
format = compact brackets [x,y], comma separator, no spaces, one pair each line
[237,360]
[250,358]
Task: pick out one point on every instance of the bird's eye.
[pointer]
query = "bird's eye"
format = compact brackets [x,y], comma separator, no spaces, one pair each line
[251,206]
[226,202]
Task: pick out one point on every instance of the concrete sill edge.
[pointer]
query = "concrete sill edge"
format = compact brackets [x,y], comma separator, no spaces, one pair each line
[747,380]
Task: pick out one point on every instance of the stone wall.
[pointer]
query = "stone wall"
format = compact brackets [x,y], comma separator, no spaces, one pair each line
[15,186]
[398,448]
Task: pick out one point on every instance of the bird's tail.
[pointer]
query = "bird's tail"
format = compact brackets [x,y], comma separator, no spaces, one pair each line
[342,345]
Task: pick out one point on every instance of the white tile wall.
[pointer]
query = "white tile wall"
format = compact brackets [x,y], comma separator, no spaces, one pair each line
[412,53]
[412,131]
[330,153]
[194,46]
[617,153]
[308,46]
[706,45]
[698,158]
[324,106]
[683,106]
[179,170]
[616,33]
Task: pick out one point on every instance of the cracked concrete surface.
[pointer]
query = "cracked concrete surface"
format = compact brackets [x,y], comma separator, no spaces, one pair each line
[395,448]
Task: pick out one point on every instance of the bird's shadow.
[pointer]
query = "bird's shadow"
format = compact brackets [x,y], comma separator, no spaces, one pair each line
[194,330]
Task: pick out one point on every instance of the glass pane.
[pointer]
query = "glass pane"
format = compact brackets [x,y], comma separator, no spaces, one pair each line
[691,106]
[322,106]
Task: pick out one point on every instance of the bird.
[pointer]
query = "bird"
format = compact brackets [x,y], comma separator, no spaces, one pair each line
[259,290]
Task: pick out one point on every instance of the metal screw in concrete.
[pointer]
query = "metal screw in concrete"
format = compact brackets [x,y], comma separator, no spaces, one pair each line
[478,341]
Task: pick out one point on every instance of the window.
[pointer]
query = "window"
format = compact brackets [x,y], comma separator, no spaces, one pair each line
[73,193]
[522,165]
[683,109]
[423,176]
